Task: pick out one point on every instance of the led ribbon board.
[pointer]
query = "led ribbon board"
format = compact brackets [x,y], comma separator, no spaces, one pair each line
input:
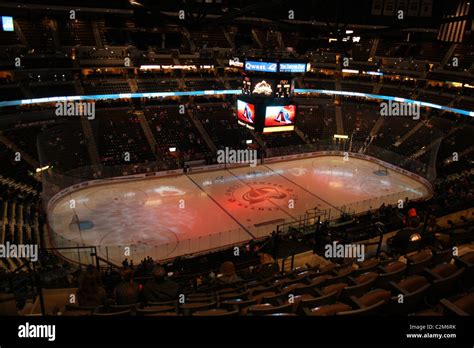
[222,92]
[294,67]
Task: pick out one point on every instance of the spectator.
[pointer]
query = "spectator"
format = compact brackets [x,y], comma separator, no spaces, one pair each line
[90,292]
[227,274]
[127,291]
[160,288]
[268,267]
[125,263]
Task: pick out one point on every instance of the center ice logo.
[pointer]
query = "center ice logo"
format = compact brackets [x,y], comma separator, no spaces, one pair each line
[230,156]
[262,194]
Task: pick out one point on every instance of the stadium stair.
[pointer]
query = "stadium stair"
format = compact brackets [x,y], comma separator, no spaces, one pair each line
[373,49]
[24,156]
[20,33]
[301,135]
[338,100]
[409,134]
[202,131]
[449,54]
[91,144]
[97,36]
[147,130]
[256,39]
[229,40]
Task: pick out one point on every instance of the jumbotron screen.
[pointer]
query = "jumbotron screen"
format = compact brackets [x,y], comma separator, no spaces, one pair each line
[246,113]
[7,23]
[280,118]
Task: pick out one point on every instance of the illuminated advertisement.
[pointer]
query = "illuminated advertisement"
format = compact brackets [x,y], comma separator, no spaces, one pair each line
[280,118]
[260,66]
[245,113]
[294,67]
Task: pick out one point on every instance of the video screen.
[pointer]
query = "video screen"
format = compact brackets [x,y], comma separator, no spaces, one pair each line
[280,118]
[7,23]
[245,112]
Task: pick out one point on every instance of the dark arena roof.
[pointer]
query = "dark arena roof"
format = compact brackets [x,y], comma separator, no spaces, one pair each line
[216,158]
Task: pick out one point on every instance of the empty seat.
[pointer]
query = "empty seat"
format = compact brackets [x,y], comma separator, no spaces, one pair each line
[367,265]
[467,261]
[417,262]
[338,288]
[113,314]
[215,313]
[319,280]
[266,308]
[444,278]
[373,302]
[461,306]
[299,289]
[330,309]
[413,289]
[307,303]
[154,309]
[392,272]
[200,299]
[362,284]
[238,304]
[190,308]
[234,295]
[372,297]
[340,275]
[8,304]
[276,299]
[442,256]
[71,308]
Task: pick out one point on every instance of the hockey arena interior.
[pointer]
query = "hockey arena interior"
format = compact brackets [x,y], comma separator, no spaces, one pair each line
[236,158]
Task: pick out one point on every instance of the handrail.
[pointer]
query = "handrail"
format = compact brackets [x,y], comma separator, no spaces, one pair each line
[99,258]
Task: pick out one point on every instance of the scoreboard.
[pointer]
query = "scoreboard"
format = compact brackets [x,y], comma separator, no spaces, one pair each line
[262,86]
[266,104]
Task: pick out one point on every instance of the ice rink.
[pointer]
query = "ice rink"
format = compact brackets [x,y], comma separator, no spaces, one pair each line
[172,216]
